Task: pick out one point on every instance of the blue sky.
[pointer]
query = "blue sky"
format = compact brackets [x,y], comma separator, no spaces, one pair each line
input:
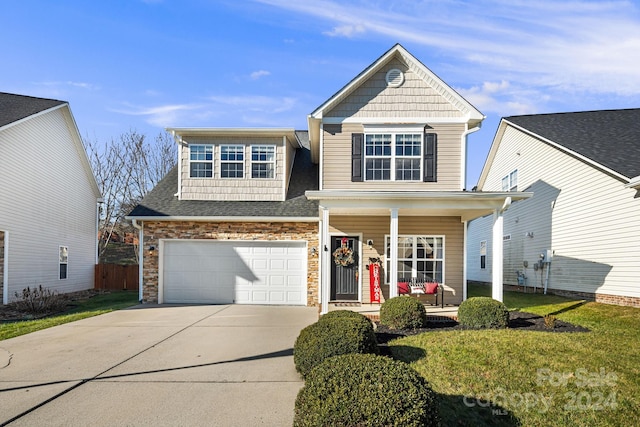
[148,64]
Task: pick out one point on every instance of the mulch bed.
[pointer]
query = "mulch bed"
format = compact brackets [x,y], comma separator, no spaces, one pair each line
[519,320]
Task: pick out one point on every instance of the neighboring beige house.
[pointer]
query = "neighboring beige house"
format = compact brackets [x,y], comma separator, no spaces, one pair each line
[584,171]
[48,199]
[255,216]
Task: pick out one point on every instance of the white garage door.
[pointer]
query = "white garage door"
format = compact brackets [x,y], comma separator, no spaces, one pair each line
[215,272]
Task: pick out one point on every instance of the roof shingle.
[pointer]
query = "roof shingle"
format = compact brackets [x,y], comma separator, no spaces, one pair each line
[608,137]
[16,107]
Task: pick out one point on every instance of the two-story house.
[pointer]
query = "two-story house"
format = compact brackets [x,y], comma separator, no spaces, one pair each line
[579,235]
[278,216]
[49,199]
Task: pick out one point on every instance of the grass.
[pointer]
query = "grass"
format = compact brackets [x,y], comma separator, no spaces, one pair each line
[99,304]
[514,377]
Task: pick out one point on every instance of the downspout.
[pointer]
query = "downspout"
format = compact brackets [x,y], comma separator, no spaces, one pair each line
[463,147]
[97,245]
[5,271]
[134,222]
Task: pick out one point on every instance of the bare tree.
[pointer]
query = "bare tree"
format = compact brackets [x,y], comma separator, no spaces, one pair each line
[126,170]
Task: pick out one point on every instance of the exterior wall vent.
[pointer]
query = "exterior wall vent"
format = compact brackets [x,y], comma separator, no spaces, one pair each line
[394,77]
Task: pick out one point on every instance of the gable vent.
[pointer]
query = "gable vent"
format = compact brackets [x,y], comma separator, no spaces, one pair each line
[394,77]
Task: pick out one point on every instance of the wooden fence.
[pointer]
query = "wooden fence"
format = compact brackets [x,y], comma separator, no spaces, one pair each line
[116,277]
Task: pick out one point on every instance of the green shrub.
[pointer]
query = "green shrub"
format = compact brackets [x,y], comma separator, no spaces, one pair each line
[332,337]
[365,390]
[483,312]
[403,312]
[342,314]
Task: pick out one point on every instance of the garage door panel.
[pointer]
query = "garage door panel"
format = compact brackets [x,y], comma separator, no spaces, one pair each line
[268,272]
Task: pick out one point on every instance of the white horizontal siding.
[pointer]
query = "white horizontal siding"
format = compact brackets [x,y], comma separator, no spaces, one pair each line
[46,201]
[595,227]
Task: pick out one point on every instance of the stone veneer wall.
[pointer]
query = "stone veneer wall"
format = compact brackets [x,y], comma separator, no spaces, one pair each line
[156,230]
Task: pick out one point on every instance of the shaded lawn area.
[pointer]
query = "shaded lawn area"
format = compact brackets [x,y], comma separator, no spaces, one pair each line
[81,309]
[517,377]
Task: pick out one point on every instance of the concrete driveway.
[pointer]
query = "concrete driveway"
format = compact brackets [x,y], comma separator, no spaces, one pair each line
[225,365]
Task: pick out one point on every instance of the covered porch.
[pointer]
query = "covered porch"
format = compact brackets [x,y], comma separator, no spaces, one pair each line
[391,237]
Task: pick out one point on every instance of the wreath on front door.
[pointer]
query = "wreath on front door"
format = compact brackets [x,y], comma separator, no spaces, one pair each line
[344,255]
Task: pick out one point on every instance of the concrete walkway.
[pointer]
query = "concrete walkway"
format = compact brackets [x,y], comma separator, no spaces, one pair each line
[157,366]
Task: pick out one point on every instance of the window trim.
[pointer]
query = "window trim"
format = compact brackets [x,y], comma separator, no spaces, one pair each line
[414,258]
[393,156]
[510,181]
[63,259]
[202,161]
[274,151]
[240,150]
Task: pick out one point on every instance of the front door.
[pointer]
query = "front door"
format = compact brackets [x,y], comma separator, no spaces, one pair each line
[344,268]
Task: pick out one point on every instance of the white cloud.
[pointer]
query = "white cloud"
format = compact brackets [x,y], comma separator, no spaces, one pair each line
[215,111]
[162,115]
[345,31]
[258,74]
[553,46]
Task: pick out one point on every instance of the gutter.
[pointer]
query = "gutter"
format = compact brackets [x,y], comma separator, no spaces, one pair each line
[225,218]
[134,222]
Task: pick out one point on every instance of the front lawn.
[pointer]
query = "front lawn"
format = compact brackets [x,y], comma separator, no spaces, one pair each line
[82,309]
[517,377]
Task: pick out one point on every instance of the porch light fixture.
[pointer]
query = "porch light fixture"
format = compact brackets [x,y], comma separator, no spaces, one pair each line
[152,249]
[314,250]
[370,243]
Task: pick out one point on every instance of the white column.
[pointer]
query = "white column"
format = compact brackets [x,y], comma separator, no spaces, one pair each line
[325,272]
[393,264]
[497,254]
[464,261]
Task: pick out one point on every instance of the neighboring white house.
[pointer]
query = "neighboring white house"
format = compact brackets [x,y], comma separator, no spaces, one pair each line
[48,199]
[584,171]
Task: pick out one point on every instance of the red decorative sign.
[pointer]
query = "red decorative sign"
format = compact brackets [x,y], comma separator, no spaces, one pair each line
[374,282]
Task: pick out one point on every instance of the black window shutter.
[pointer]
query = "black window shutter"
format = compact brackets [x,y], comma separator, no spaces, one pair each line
[430,161]
[357,144]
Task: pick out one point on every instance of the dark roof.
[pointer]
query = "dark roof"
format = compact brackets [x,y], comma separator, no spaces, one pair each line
[16,107]
[162,202]
[608,137]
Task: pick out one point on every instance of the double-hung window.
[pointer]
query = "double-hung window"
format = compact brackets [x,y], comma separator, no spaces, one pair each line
[419,257]
[263,161]
[201,161]
[510,182]
[394,154]
[378,157]
[232,161]
[408,159]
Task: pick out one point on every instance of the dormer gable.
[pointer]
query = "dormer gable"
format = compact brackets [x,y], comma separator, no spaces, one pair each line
[234,164]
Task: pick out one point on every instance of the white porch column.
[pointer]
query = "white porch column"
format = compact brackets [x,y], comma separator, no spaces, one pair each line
[497,254]
[393,265]
[464,261]
[325,272]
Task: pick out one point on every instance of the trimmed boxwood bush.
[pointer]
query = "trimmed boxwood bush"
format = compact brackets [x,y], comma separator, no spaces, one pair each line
[483,312]
[365,390]
[342,314]
[403,312]
[332,337]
